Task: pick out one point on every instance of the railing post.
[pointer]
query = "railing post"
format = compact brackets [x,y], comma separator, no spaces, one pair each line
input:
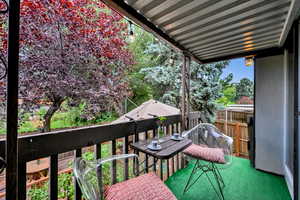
[21,181]
[146,156]
[126,151]
[12,100]
[114,162]
[98,155]
[53,189]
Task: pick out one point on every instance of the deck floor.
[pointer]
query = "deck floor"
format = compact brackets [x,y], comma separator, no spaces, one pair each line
[242,183]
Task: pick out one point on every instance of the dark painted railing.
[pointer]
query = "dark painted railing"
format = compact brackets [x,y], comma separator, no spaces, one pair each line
[32,147]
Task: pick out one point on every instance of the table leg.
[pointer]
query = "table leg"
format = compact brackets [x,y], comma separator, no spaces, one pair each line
[154,164]
[146,163]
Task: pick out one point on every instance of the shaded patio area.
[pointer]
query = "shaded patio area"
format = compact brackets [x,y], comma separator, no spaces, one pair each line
[242,182]
[205,32]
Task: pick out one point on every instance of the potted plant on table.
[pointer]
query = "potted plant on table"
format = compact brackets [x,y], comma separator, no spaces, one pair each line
[160,123]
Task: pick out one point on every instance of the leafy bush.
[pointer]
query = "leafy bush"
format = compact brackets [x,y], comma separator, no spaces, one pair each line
[41,112]
[105,117]
[39,193]
[65,188]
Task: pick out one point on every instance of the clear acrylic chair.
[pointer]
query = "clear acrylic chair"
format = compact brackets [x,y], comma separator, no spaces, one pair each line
[212,151]
[145,187]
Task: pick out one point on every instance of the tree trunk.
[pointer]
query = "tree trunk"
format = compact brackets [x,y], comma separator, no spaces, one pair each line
[50,112]
[118,107]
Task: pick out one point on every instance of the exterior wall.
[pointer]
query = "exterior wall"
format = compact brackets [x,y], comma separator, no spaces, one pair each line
[296,185]
[269,113]
[289,119]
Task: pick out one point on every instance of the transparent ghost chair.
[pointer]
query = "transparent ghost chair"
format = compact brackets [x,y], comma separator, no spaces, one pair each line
[212,152]
[89,176]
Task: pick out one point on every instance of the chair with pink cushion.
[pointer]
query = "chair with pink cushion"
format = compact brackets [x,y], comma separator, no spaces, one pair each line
[212,151]
[144,187]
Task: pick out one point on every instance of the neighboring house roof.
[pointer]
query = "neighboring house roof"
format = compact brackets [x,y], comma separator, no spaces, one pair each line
[240,107]
[245,100]
[152,107]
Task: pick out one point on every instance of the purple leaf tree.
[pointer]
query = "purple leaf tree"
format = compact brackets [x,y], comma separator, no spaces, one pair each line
[71,50]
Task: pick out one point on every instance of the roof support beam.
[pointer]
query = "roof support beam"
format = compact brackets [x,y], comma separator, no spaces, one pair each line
[293,13]
[185,89]
[124,9]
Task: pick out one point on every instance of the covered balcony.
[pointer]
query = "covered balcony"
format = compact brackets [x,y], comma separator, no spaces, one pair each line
[204,31]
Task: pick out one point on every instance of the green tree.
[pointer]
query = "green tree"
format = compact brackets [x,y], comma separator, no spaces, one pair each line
[244,88]
[141,91]
[165,79]
[229,96]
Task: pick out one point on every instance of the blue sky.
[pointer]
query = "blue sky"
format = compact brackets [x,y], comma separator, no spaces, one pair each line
[239,70]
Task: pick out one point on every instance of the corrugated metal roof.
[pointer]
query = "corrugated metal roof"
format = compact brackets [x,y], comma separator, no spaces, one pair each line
[217,28]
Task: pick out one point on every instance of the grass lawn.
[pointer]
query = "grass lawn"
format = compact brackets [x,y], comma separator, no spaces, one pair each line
[61,120]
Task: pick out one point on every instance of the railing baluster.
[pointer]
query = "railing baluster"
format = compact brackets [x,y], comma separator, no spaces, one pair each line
[126,151]
[136,139]
[173,165]
[161,170]
[146,156]
[22,181]
[146,135]
[78,193]
[173,161]
[177,155]
[168,132]
[168,168]
[53,189]
[154,164]
[114,162]
[154,133]
[98,151]
[177,162]
[99,171]
[181,161]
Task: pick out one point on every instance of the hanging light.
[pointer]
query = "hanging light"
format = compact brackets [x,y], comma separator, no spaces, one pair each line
[131,34]
[249,61]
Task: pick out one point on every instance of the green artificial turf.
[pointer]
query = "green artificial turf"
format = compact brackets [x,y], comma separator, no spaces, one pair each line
[242,183]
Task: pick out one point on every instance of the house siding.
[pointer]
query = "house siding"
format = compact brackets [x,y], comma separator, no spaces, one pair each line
[270,113]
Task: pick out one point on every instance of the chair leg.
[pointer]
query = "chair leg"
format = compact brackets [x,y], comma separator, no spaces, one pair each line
[189,183]
[219,182]
[219,175]
[205,170]
[190,177]
[221,197]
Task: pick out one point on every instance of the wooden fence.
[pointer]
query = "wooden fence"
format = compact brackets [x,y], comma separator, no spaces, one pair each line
[239,132]
[240,116]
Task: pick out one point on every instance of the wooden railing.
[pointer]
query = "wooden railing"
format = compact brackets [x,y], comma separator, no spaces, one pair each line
[54,143]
